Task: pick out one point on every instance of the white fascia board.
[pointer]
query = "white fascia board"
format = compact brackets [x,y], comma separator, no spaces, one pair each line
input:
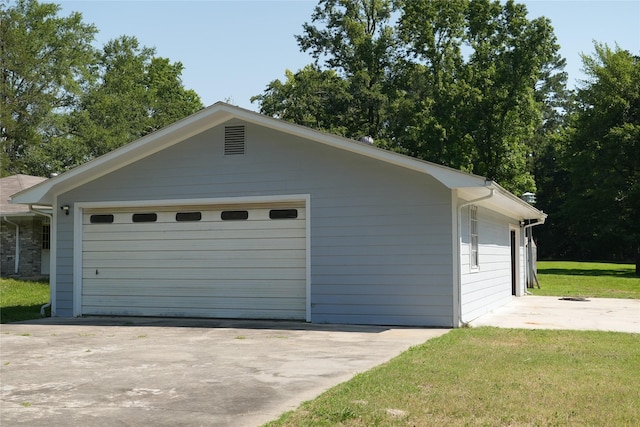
[503,202]
[150,144]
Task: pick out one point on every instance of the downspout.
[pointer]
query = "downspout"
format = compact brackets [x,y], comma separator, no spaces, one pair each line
[50,216]
[459,241]
[16,267]
[527,260]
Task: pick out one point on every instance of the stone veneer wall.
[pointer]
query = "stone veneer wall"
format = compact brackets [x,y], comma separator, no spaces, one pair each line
[30,246]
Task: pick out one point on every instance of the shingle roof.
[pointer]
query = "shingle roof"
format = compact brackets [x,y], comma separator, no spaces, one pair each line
[12,184]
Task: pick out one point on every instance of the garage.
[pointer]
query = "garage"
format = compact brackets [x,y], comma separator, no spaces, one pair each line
[211,217]
[220,261]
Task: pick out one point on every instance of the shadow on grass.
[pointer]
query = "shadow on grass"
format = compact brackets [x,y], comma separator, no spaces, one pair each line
[630,274]
[21,312]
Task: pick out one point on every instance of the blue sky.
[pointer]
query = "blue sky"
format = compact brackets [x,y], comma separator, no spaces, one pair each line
[232,49]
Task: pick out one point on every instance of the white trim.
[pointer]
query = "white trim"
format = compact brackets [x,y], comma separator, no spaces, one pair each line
[456,243]
[78,212]
[519,288]
[53,258]
[77,259]
[474,263]
[307,202]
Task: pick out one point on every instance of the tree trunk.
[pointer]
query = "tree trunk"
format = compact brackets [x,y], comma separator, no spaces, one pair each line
[638,262]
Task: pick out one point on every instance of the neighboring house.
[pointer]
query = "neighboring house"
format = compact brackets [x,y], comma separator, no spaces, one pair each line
[24,235]
[232,214]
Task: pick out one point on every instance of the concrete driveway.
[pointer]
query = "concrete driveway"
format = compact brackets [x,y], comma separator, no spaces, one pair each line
[538,312]
[160,372]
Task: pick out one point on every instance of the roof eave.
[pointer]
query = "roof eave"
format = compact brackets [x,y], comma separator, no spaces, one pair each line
[504,202]
[44,193]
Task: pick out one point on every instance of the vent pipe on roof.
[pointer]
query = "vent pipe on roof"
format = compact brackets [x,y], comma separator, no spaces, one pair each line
[367,139]
[529,197]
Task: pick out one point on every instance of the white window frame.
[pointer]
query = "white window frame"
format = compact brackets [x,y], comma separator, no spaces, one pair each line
[46,237]
[474,253]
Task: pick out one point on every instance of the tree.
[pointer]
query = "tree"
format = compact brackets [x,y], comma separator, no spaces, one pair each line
[44,63]
[429,123]
[483,64]
[603,155]
[137,93]
[352,46]
[311,97]
[63,102]
[459,82]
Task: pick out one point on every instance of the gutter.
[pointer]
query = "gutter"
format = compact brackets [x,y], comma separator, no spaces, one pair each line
[16,267]
[51,288]
[458,288]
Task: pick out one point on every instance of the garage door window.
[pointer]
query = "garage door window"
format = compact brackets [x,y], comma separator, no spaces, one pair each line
[188,216]
[234,215]
[145,217]
[283,214]
[101,219]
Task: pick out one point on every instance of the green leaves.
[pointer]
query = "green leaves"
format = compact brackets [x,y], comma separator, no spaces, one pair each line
[464,83]
[601,156]
[43,60]
[137,93]
[63,102]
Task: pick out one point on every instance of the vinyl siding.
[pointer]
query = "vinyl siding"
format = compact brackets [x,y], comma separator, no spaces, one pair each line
[488,286]
[380,234]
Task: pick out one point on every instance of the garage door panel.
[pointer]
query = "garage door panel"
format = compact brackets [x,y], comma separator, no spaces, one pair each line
[203,234]
[230,313]
[194,245]
[170,262]
[196,255]
[194,273]
[253,268]
[170,224]
[193,287]
[198,302]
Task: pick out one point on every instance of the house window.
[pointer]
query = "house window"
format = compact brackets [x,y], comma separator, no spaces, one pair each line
[473,231]
[46,236]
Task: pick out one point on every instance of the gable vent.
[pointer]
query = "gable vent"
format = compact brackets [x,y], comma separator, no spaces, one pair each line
[233,140]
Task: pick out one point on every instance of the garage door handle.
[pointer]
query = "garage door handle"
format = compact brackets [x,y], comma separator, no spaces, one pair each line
[97,272]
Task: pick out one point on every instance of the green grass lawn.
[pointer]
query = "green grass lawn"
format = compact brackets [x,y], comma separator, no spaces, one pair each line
[21,299]
[502,377]
[491,377]
[587,279]
[476,376]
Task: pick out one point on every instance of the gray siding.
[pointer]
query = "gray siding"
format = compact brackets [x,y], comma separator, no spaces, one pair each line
[489,286]
[380,234]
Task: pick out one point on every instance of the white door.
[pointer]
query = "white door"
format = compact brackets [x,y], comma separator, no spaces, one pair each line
[224,262]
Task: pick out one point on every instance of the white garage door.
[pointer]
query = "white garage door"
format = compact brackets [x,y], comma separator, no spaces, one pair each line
[224,261]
